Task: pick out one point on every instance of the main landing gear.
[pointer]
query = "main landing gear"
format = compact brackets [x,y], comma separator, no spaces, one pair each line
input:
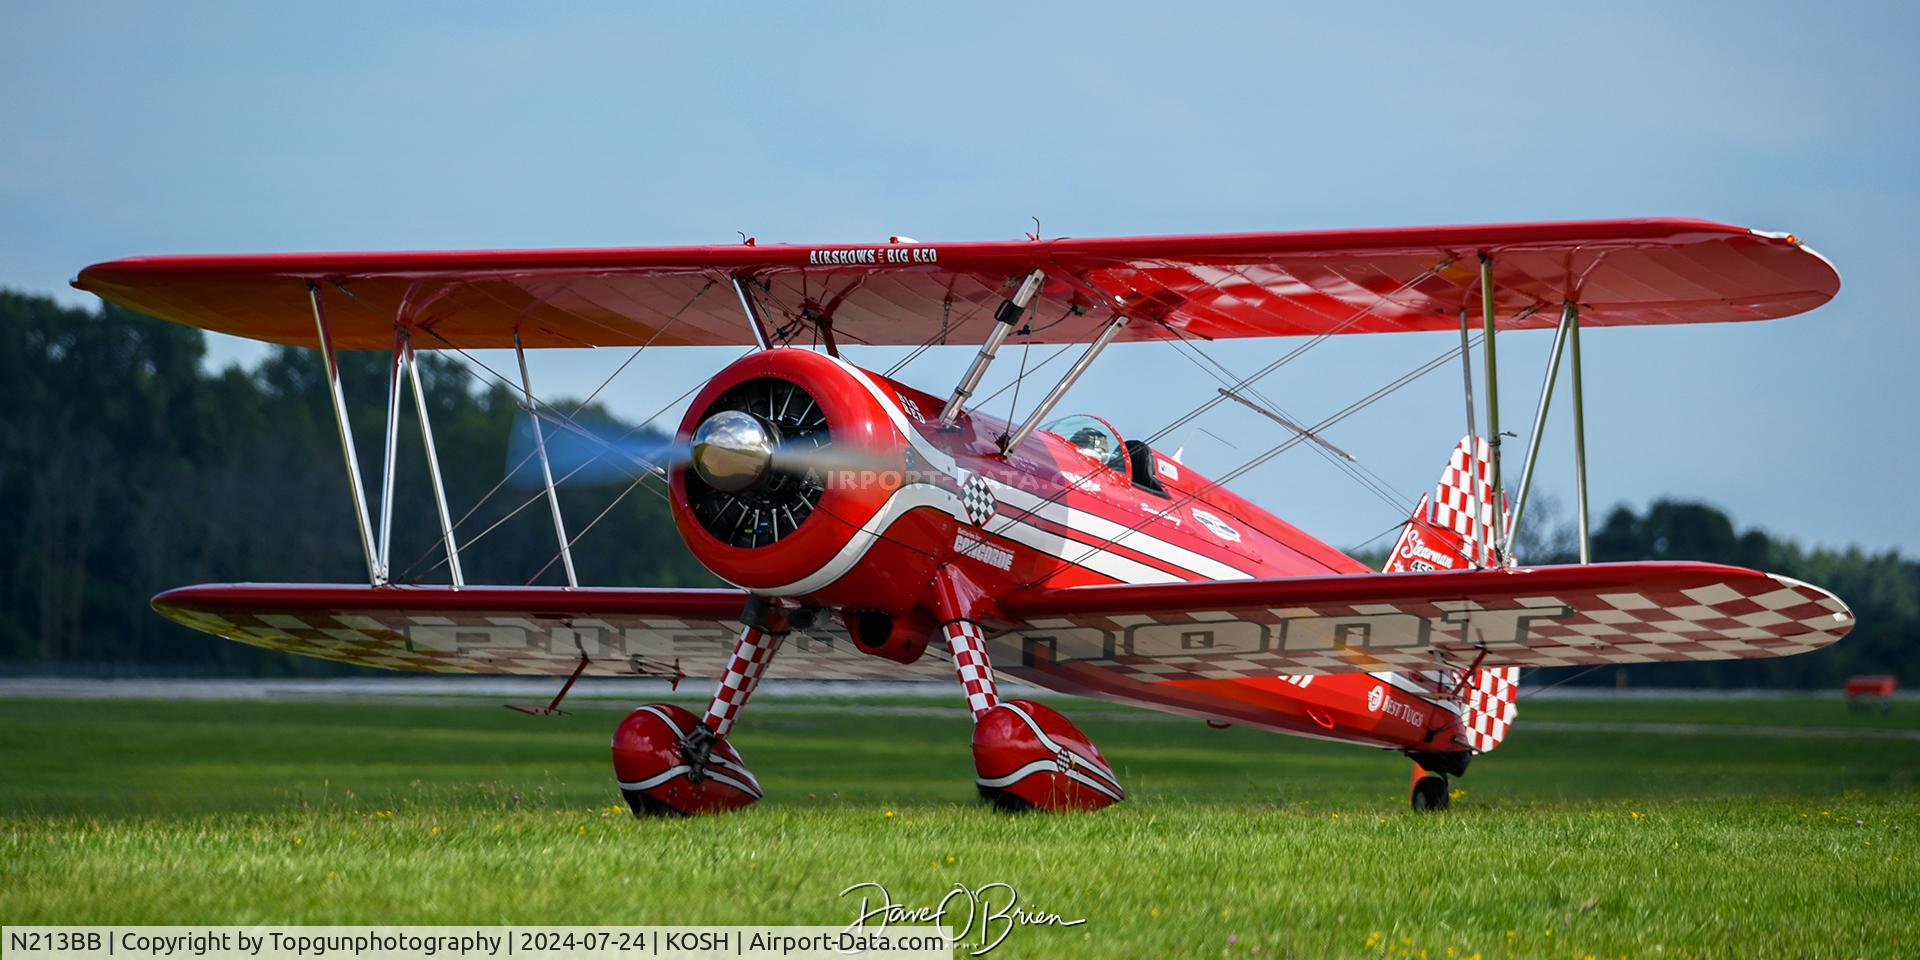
[1026,756]
[670,763]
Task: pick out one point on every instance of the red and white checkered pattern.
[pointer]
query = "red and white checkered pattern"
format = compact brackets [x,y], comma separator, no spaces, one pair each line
[912,408]
[1676,615]
[390,637]
[977,496]
[1463,499]
[970,662]
[1490,706]
[749,661]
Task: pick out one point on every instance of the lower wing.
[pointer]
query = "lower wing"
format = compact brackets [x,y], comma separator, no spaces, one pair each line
[518,631]
[1354,623]
[1595,614]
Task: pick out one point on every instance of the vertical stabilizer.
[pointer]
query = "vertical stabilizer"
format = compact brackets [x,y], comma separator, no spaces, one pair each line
[1450,529]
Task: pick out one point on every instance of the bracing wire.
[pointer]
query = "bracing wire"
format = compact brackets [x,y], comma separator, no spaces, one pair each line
[1282,447]
[575,540]
[569,423]
[1244,382]
[1013,405]
[1297,352]
[1358,472]
[605,445]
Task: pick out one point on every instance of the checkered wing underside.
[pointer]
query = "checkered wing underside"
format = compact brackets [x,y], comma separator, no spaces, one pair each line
[1540,617]
[434,631]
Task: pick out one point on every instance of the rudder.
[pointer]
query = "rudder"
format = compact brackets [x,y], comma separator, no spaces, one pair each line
[1449,528]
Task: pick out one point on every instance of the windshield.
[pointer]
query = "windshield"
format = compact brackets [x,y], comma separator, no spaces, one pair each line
[1093,437]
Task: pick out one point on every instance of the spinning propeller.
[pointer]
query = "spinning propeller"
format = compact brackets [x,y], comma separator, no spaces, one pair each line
[761,457]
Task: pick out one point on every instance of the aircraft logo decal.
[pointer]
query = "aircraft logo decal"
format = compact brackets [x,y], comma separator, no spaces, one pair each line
[1218,526]
[873,256]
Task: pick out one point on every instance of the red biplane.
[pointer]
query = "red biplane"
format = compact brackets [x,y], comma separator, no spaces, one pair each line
[875,531]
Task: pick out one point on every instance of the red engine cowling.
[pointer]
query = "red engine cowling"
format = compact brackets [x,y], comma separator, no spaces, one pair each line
[789,534]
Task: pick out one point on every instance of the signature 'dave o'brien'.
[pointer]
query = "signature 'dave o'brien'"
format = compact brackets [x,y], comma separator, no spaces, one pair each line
[868,528]
[981,918]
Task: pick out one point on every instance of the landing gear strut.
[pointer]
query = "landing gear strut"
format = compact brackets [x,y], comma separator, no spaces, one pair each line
[1026,755]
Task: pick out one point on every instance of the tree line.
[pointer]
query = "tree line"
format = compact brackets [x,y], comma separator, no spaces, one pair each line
[128,468]
[1882,589]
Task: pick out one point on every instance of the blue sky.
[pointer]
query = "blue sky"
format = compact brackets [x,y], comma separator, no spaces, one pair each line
[172,128]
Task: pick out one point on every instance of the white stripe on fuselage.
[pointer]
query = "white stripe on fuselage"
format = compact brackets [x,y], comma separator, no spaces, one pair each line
[1107,531]
[1093,557]
[904,499]
[1012,527]
[1097,559]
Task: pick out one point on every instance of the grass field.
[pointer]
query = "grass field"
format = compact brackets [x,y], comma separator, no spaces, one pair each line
[1567,842]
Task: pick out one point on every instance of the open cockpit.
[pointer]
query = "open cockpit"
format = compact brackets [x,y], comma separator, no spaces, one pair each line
[1096,439]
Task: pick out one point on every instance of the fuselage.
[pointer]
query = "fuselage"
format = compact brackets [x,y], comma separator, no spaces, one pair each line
[926,493]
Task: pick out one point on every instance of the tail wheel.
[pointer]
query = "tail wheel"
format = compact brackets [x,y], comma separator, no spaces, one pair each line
[1430,793]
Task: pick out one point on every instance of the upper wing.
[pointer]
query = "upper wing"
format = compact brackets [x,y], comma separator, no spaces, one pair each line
[1211,287]
[1542,617]
[522,631]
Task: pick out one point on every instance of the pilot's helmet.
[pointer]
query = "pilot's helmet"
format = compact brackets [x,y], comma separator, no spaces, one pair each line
[1093,442]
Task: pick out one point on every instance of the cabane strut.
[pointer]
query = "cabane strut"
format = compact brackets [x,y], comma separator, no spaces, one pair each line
[1067,380]
[1005,318]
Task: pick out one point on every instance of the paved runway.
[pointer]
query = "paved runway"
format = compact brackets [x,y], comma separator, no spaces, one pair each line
[515,689]
[540,690]
[642,689]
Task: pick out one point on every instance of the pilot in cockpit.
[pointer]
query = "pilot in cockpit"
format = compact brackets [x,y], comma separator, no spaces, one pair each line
[1094,437]
[1098,441]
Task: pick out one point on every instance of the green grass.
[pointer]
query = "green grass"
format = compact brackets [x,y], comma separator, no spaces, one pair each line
[1567,842]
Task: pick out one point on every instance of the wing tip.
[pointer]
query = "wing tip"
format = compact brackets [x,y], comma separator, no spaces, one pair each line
[1830,287]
